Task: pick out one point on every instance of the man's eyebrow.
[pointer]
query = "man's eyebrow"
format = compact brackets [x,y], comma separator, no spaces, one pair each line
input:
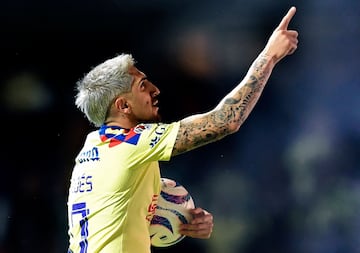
[143,79]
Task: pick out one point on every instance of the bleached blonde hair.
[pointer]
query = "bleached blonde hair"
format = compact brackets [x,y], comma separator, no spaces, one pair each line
[98,88]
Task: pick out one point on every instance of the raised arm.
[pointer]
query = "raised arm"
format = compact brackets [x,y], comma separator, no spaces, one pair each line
[227,117]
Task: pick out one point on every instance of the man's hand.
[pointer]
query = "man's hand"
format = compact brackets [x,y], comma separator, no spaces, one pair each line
[201,225]
[282,42]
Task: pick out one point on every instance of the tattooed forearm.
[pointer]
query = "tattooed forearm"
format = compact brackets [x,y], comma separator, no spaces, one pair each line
[229,115]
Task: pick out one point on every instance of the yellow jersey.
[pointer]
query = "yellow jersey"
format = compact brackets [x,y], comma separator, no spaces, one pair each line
[114,188]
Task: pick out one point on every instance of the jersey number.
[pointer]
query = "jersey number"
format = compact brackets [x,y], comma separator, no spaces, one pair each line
[80,209]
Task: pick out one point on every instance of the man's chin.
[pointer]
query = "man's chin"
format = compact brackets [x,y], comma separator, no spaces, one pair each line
[157,116]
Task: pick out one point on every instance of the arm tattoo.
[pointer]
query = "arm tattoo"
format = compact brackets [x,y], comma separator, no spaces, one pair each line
[229,115]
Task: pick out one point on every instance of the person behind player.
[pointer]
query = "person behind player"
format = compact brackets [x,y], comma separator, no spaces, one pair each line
[115,182]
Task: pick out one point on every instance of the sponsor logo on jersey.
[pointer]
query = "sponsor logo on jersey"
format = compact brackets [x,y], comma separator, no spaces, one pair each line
[89,155]
[159,131]
[152,207]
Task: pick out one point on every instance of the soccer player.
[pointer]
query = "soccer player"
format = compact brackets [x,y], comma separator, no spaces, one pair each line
[115,182]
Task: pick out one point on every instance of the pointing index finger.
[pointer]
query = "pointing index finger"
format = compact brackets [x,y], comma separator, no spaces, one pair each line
[286,19]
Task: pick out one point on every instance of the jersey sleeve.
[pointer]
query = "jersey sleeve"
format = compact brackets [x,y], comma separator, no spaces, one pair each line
[156,142]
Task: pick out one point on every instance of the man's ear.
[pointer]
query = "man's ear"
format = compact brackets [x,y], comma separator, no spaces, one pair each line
[122,105]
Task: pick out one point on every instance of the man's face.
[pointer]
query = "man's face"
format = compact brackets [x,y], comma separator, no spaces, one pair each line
[143,98]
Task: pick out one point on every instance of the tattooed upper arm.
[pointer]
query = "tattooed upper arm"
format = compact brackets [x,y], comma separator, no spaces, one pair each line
[199,130]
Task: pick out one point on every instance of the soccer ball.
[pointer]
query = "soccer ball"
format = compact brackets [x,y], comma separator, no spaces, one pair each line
[172,210]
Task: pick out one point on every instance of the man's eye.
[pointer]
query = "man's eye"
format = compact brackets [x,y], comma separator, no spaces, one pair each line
[142,85]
